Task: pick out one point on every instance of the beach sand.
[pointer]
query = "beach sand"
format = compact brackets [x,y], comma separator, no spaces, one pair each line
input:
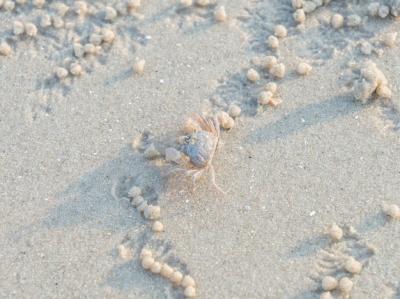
[320,157]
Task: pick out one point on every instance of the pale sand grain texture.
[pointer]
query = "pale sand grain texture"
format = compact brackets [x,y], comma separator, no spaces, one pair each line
[319,158]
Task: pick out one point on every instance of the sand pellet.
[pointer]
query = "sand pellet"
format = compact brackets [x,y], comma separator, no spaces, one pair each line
[273,42]
[61,73]
[145,252]
[389,39]
[202,2]
[176,277]
[278,71]
[335,232]
[137,201]
[220,14]
[253,75]
[142,207]
[299,16]
[57,22]
[326,295]
[329,283]
[5,49]
[107,35]
[76,69]
[353,20]
[156,268]
[18,28]
[157,227]
[271,87]
[110,13]
[297,3]
[138,66]
[147,262]
[392,211]
[151,152]
[186,3]
[337,21]
[134,4]
[383,11]
[39,3]
[190,126]
[280,31]
[152,212]
[124,252]
[373,9]
[345,285]
[352,266]
[172,155]
[265,97]
[45,21]
[274,102]
[9,5]
[234,111]
[166,271]
[270,61]
[188,281]
[303,68]
[190,292]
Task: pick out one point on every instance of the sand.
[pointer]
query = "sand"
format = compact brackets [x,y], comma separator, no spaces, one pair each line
[320,157]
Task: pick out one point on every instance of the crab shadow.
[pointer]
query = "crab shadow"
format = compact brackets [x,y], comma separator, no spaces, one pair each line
[305,117]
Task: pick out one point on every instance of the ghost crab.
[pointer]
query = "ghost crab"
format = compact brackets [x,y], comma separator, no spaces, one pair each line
[200,146]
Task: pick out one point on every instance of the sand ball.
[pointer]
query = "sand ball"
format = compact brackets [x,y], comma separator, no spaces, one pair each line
[337,21]
[234,111]
[135,191]
[186,3]
[156,268]
[303,68]
[18,28]
[353,266]
[190,292]
[299,16]
[79,50]
[151,152]
[145,253]
[9,5]
[58,22]
[270,61]
[176,277]
[147,262]
[108,35]
[297,3]
[137,201]
[95,39]
[220,14]
[271,87]
[76,69]
[309,7]
[329,283]
[202,2]
[61,8]
[392,211]
[273,42]
[274,102]
[384,91]
[142,207]
[39,3]
[353,20]
[110,13]
[89,48]
[345,285]
[373,9]
[21,2]
[152,212]
[5,49]
[138,66]
[134,4]
[166,271]
[81,8]
[61,72]
[280,31]
[125,253]
[278,71]
[265,97]
[383,11]
[335,232]
[389,39]
[157,227]
[253,75]
[326,295]
[31,29]
[45,21]
[188,281]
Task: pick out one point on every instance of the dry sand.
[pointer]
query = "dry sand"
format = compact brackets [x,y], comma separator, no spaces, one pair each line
[320,157]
